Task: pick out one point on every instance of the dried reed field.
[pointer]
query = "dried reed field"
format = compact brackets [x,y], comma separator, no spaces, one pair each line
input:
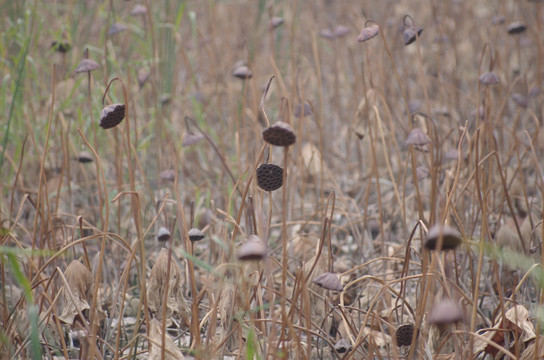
[271,179]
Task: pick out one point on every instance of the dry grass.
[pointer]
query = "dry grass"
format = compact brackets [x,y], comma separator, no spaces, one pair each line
[390,140]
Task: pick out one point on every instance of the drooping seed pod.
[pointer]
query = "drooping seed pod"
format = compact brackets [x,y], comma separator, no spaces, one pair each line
[280,134]
[517,27]
[489,78]
[442,237]
[411,34]
[418,138]
[302,110]
[116,28]
[269,177]
[84,157]
[112,115]
[368,32]
[329,281]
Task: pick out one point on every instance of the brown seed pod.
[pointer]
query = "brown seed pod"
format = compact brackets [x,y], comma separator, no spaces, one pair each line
[112,115]
[252,249]
[84,157]
[242,72]
[341,31]
[280,134]
[86,65]
[369,32]
[275,22]
[327,34]
[116,28]
[168,175]
[269,177]
[302,110]
[417,137]
[329,281]
[446,312]
[498,19]
[521,100]
[342,346]
[191,138]
[449,237]
[196,235]
[143,76]
[61,46]
[489,78]
[409,34]
[138,9]
[404,334]
[163,234]
[517,27]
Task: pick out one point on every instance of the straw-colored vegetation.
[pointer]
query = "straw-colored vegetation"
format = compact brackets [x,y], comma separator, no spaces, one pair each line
[271,179]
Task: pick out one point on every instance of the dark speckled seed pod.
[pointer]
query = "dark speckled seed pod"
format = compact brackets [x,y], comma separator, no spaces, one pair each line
[280,134]
[269,177]
[112,115]
[196,235]
[404,334]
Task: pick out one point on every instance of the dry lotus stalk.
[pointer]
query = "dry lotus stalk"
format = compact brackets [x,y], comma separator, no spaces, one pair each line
[176,305]
[80,282]
[380,339]
[155,344]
